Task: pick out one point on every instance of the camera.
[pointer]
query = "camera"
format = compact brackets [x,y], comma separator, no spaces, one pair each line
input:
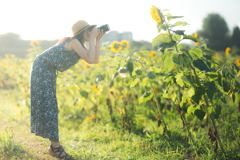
[104,27]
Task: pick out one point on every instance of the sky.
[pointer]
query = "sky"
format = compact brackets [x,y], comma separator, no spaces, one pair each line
[53,19]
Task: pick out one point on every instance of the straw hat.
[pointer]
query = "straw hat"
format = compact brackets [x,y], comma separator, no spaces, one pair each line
[80,26]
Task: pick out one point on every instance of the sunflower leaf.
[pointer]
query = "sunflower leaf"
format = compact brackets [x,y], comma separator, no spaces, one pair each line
[196,53]
[173,17]
[167,39]
[179,32]
[165,10]
[181,59]
[191,37]
[167,60]
[176,37]
[157,39]
[179,23]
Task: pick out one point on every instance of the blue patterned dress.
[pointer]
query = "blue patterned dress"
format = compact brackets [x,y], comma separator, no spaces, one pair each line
[43,74]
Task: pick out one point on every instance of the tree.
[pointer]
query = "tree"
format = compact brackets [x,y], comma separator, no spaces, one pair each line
[215,29]
[235,39]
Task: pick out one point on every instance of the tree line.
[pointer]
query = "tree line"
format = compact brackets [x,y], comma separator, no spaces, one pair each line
[217,35]
[11,43]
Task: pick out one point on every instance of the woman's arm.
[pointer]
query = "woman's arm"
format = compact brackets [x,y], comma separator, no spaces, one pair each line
[88,56]
[97,47]
[92,50]
[97,50]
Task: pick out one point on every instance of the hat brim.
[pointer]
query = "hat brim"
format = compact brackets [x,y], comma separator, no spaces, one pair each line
[90,26]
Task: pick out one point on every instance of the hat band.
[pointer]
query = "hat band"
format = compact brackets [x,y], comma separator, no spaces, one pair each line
[81,30]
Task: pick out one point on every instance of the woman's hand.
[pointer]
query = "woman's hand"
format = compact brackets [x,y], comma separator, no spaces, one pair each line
[100,34]
[93,33]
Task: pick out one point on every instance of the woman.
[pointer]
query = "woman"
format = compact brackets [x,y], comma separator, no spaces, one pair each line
[66,53]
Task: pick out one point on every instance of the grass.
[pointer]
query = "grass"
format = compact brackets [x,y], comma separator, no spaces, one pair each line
[103,140]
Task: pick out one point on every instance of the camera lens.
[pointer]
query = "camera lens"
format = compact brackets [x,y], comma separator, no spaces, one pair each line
[104,27]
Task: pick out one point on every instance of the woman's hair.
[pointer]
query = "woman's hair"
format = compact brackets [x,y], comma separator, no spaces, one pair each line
[79,37]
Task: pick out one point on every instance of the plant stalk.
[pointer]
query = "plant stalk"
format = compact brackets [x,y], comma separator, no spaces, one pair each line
[158,105]
[214,125]
[212,119]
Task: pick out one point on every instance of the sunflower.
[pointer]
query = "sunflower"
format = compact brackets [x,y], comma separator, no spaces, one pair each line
[195,34]
[115,46]
[34,43]
[227,50]
[124,44]
[94,87]
[216,55]
[238,62]
[152,54]
[155,14]
[7,56]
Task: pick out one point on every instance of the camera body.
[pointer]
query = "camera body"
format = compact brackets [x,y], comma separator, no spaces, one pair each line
[104,27]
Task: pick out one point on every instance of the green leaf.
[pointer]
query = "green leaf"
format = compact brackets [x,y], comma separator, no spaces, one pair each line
[210,88]
[129,66]
[145,97]
[235,68]
[181,59]
[180,23]
[181,79]
[226,85]
[156,70]
[201,65]
[180,46]
[164,27]
[179,32]
[141,53]
[166,39]
[176,37]
[191,92]
[138,72]
[145,81]
[198,94]
[196,53]
[184,98]
[134,83]
[84,94]
[191,109]
[200,114]
[214,111]
[212,76]
[165,45]
[152,75]
[99,78]
[219,79]
[157,39]
[168,15]
[173,17]
[111,83]
[167,60]
[191,37]
[159,27]
[226,73]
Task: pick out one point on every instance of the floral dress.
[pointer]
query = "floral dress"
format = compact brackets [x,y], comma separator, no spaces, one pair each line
[43,75]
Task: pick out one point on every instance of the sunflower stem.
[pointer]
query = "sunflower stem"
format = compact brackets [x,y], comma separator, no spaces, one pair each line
[158,105]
